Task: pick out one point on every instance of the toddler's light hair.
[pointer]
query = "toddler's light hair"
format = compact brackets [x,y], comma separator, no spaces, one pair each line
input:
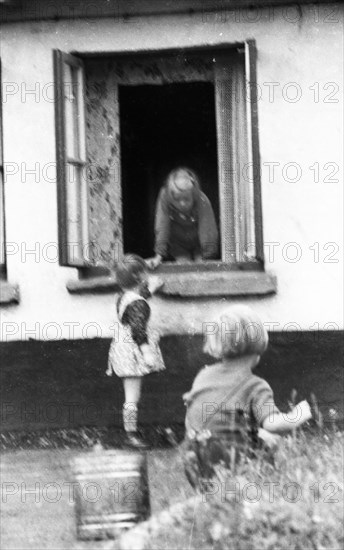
[237,332]
[129,271]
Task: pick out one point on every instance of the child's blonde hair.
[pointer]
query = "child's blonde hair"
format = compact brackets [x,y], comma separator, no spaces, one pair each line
[237,332]
[130,270]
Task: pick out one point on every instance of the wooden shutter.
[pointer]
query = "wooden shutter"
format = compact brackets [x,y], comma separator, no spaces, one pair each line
[71,159]
[2,200]
[239,188]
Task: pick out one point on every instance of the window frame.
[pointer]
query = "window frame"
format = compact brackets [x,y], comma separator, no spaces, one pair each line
[250,71]
[248,47]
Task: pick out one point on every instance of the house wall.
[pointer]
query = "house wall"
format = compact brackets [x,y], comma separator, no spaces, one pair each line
[300,78]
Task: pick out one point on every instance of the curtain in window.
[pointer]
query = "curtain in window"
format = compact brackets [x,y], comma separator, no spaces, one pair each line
[236,170]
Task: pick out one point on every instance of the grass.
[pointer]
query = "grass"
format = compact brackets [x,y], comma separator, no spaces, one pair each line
[294,505]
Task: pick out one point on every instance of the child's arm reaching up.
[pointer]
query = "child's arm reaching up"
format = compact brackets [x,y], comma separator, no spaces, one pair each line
[154,262]
[154,283]
[277,422]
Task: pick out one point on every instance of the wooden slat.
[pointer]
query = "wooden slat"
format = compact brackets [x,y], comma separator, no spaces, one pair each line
[75,161]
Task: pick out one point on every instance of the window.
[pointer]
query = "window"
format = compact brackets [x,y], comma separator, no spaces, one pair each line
[161,127]
[146,114]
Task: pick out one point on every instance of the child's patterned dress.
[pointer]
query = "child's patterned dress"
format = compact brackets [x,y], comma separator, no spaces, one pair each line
[125,355]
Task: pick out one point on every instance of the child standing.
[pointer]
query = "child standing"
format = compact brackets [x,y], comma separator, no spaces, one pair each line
[228,407]
[134,352]
[185,227]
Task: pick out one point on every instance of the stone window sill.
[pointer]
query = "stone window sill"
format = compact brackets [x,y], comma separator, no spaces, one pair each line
[192,282]
[9,293]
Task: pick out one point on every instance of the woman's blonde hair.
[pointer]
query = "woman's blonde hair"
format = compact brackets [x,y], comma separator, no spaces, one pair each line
[237,332]
[183,170]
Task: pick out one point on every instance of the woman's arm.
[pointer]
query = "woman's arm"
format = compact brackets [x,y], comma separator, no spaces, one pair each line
[162,231]
[162,226]
[207,230]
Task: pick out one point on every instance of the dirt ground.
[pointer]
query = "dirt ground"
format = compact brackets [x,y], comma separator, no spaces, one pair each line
[37,507]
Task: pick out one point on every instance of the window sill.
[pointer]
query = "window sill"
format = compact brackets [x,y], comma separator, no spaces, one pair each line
[218,283]
[192,284]
[9,293]
[93,285]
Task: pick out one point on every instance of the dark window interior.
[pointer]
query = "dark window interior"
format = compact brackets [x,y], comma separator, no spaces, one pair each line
[162,127]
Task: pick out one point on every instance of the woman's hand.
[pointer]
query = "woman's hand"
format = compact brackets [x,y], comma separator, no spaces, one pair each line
[154,262]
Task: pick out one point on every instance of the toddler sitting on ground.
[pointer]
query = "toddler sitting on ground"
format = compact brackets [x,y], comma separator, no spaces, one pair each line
[228,407]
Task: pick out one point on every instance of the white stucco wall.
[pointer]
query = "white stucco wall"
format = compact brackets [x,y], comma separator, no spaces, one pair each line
[303,58]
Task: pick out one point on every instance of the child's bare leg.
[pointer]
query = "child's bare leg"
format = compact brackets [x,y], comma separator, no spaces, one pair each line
[132,392]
